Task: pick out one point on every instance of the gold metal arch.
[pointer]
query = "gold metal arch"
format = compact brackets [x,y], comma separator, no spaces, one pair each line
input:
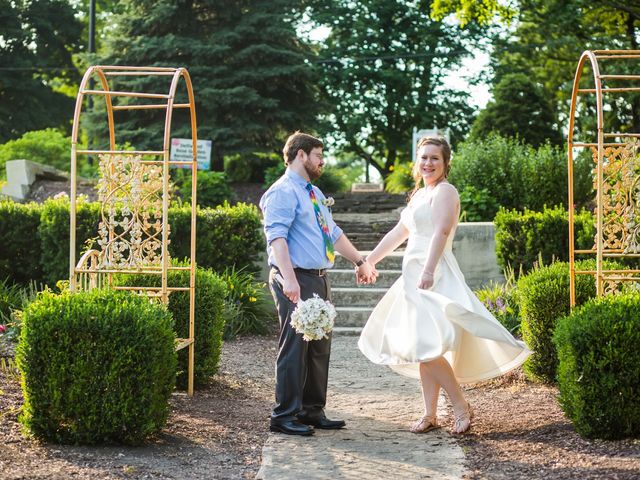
[617,170]
[134,191]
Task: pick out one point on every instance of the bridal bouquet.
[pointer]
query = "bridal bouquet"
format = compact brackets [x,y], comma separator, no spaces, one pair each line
[313,318]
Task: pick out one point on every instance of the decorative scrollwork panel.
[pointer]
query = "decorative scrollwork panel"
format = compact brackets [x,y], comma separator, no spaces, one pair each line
[620,197]
[130,230]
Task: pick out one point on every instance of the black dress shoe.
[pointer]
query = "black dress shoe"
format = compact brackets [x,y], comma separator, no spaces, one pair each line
[291,427]
[323,423]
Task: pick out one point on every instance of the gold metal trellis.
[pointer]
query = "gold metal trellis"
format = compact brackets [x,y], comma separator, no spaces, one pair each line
[616,173]
[134,193]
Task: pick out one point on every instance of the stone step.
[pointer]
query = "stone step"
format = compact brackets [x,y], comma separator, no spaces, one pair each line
[357,296]
[393,261]
[347,278]
[352,317]
[347,331]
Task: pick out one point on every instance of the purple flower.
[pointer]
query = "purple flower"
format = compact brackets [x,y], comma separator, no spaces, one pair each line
[3,328]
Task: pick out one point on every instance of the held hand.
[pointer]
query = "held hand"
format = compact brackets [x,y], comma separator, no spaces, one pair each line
[291,289]
[426,280]
[366,273]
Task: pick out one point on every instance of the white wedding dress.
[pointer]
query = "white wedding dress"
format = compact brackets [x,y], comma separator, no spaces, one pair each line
[410,325]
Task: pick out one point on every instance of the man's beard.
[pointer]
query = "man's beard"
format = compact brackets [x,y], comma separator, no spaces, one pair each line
[313,174]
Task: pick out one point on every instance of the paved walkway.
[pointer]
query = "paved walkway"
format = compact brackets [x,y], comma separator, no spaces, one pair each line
[378,406]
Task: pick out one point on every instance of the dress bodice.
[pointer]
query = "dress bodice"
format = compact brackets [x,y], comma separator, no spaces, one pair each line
[417,218]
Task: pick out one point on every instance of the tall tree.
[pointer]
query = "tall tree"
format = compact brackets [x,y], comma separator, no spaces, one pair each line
[519,109]
[251,75]
[383,66]
[483,12]
[37,39]
[548,39]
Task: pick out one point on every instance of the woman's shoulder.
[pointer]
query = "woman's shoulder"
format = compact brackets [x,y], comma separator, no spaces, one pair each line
[447,186]
[445,193]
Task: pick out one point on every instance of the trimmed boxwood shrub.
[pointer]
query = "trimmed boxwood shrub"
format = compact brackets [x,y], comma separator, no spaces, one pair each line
[543,298]
[523,237]
[599,370]
[19,240]
[98,367]
[209,319]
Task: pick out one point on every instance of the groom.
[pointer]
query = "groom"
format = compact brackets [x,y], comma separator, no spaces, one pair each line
[301,242]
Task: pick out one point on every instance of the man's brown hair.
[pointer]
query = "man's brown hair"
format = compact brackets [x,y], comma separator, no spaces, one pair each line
[299,141]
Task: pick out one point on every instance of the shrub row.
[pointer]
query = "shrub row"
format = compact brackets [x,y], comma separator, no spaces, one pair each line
[35,237]
[523,238]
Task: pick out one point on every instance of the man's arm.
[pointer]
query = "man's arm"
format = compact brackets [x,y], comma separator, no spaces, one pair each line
[290,285]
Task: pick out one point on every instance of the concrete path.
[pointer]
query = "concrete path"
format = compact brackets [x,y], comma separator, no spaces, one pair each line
[378,406]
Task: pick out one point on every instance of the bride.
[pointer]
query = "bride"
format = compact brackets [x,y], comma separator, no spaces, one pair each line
[430,325]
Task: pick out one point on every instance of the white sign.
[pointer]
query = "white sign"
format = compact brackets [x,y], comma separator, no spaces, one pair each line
[182,151]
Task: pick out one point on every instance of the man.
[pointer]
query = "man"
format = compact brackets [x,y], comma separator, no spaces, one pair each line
[301,242]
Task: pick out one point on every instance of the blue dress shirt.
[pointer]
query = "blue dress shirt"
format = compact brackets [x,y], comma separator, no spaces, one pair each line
[289,214]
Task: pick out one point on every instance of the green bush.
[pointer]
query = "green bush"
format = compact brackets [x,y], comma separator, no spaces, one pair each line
[272,174]
[476,205]
[248,308]
[35,238]
[599,366]
[213,188]
[524,237]
[98,367]
[226,236]
[518,176]
[209,321]
[21,252]
[54,235]
[49,147]
[543,298]
[400,180]
[249,168]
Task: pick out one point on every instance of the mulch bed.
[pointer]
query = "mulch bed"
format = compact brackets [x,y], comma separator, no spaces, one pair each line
[519,432]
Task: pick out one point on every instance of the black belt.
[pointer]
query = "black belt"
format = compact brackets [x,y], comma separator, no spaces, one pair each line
[319,272]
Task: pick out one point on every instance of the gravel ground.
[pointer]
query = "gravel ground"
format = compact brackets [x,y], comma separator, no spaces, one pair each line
[519,432]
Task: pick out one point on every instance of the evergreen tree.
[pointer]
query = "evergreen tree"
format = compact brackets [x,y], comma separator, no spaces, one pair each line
[519,109]
[36,41]
[251,77]
[383,67]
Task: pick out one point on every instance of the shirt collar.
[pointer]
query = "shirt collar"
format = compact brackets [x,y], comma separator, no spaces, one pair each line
[296,178]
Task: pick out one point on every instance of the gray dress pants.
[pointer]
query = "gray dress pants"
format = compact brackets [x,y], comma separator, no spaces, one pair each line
[302,367]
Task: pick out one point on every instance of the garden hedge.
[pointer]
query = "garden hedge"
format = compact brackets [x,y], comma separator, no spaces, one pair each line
[35,238]
[543,298]
[523,237]
[599,367]
[20,251]
[98,367]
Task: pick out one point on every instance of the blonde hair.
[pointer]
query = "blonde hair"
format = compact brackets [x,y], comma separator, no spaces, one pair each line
[446,157]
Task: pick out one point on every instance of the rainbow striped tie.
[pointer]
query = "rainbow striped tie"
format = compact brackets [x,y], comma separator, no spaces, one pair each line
[328,244]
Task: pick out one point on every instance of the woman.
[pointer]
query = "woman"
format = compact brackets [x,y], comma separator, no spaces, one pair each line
[430,325]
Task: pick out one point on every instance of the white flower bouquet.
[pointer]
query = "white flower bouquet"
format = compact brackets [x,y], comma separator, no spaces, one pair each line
[313,318]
